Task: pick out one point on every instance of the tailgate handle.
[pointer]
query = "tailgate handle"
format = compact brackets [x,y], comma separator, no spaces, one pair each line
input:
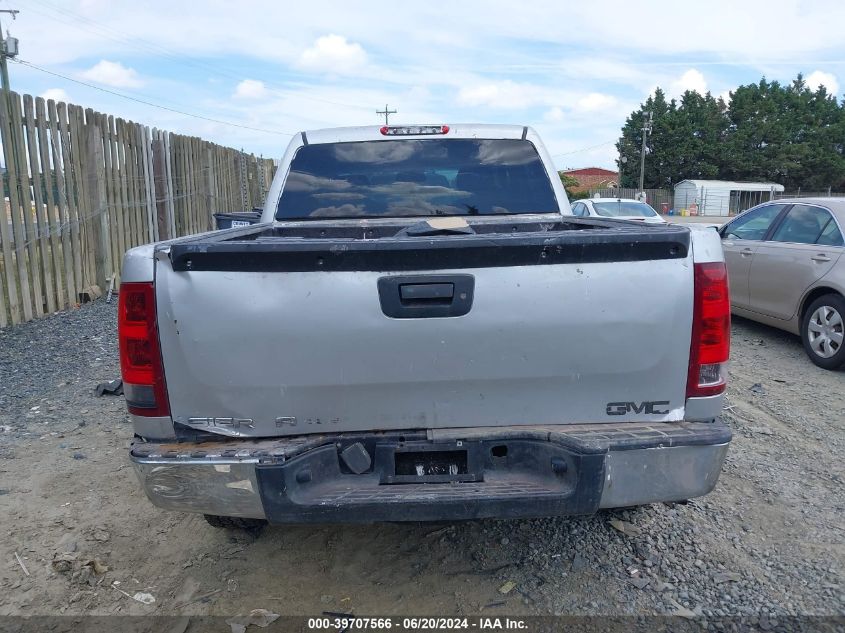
[426,296]
[422,292]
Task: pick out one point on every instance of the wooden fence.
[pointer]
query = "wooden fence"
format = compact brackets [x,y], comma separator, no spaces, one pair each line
[827,193]
[655,197]
[82,187]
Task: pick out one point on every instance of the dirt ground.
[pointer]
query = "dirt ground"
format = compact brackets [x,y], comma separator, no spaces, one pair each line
[768,541]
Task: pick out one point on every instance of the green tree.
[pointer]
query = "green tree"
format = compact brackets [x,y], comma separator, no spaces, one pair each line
[791,135]
[630,144]
[760,117]
[686,140]
[698,132]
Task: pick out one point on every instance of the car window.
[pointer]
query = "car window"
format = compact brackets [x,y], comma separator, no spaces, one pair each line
[802,225]
[831,235]
[579,209]
[754,224]
[624,208]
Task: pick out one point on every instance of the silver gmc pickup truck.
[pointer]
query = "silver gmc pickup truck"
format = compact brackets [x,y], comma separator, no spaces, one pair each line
[419,329]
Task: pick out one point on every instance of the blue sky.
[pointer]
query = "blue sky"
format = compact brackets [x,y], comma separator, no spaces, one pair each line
[571,70]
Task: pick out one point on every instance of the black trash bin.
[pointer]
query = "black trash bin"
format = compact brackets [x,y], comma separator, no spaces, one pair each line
[237,218]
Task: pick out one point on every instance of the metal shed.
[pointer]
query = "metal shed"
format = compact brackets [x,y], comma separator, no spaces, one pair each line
[722,197]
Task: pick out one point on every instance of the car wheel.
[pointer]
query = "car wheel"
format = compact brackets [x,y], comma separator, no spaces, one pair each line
[822,331]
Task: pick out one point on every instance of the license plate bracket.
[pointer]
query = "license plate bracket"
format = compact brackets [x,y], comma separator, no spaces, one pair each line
[430,463]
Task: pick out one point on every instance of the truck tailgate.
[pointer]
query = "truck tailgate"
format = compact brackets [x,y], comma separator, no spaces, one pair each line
[259,345]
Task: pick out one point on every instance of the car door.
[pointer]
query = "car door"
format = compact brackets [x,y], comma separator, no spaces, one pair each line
[802,248]
[740,239]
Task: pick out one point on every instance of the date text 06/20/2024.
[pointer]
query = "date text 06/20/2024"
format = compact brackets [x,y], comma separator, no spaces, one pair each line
[345,623]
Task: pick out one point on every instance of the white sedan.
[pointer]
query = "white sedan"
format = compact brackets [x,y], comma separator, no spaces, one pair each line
[616,208]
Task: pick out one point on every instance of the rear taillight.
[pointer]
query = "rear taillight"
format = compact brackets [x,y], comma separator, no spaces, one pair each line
[140,354]
[711,331]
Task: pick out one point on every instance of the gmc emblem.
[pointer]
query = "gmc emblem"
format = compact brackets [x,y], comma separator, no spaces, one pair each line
[649,407]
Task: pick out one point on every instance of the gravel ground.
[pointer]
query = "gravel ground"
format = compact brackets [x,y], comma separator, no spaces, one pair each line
[767,543]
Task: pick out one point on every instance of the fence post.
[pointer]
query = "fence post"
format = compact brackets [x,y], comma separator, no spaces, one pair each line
[168,168]
[11,282]
[149,185]
[243,176]
[209,183]
[96,187]
[11,139]
[262,175]
[162,188]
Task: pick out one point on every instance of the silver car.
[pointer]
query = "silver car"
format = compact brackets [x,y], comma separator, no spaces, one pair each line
[785,269]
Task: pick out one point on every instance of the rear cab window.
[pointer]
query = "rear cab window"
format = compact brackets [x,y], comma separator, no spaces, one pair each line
[412,177]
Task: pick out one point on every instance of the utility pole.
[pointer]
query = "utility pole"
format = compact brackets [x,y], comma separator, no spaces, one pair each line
[646,131]
[8,48]
[623,160]
[386,113]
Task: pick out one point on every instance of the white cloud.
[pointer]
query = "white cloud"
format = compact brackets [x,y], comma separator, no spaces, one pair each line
[509,95]
[690,80]
[250,89]
[828,80]
[333,53]
[796,31]
[560,104]
[501,94]
[113,74]
[494,66]
[595,101]
[56,94]
[554,115]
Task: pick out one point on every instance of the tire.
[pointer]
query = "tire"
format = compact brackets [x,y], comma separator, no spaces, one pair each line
[235,523]
[822,331]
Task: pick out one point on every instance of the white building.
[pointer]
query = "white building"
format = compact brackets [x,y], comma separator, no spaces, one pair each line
[722,197]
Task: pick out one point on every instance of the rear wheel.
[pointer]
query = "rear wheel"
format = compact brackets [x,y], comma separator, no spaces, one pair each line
[822,331]
[235,523]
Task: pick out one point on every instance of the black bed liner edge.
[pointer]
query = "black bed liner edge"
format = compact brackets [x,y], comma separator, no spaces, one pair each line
[240,252]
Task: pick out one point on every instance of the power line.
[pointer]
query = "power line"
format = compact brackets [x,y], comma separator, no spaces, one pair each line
[150,103]
[213,120]
[583,149]
[106,31]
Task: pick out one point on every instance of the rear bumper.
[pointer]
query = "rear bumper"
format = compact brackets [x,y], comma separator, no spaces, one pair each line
[505,472]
